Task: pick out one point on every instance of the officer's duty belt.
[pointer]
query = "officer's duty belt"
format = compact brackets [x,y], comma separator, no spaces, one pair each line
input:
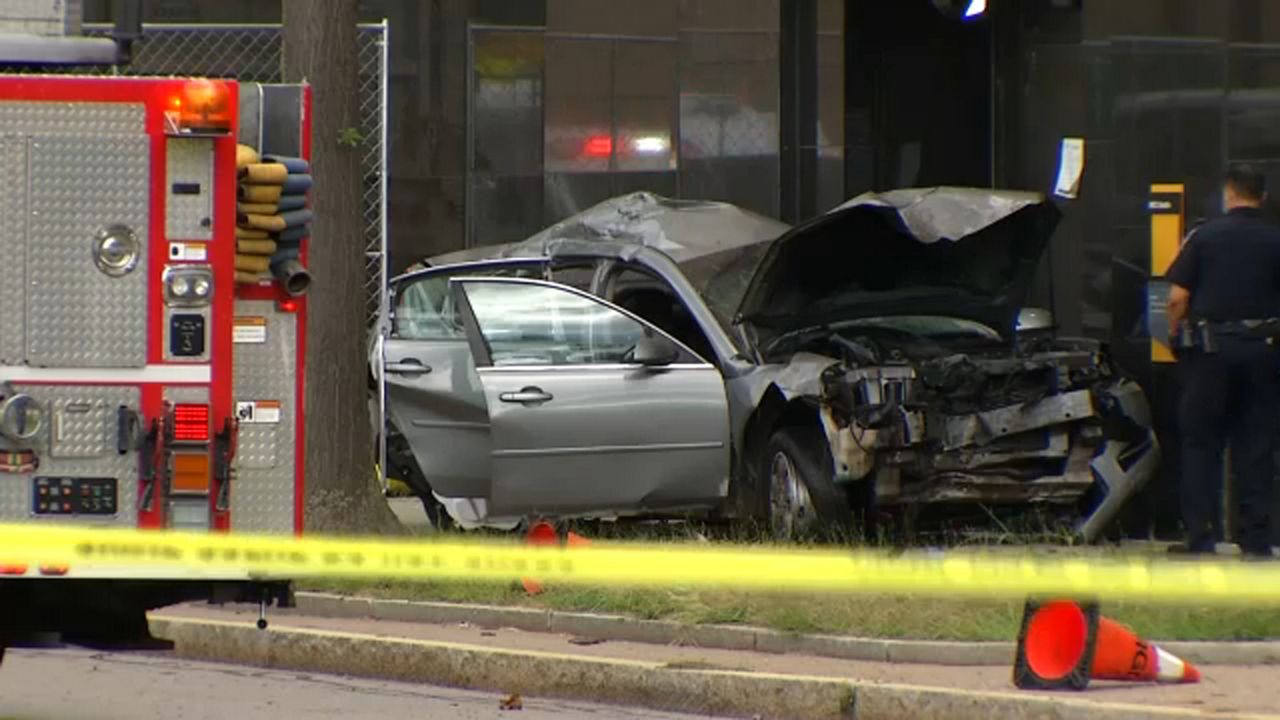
[1262,328]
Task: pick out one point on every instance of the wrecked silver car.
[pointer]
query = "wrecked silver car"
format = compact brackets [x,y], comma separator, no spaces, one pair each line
[652,357]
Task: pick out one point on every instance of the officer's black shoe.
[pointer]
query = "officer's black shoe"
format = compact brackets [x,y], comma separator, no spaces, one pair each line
[1259,553]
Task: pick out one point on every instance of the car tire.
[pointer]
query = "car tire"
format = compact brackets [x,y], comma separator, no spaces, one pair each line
[803,499]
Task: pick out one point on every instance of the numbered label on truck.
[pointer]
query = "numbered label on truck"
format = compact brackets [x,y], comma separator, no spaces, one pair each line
[194,252]
[258,412]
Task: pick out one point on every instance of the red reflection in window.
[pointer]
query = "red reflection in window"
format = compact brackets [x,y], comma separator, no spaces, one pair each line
[598,146]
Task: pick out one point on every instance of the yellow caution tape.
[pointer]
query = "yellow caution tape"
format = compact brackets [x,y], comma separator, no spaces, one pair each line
[950,574]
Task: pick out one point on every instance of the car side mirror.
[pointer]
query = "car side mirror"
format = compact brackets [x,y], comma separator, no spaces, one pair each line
[655,350]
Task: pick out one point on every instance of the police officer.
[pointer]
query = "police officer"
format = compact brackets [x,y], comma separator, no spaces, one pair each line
[1225,288]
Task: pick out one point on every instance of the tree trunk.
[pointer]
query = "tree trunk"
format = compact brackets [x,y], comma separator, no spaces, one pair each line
[342,492]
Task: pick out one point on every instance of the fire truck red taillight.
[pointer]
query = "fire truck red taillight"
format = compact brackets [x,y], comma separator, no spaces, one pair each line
[191,423]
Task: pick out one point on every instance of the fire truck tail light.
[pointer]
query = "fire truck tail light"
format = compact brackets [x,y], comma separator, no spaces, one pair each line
[191,473]
[54,570]
[12,569]
[191,423]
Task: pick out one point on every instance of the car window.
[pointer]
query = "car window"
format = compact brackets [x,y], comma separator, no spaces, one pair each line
[543,325]
[653,299]
[425,308]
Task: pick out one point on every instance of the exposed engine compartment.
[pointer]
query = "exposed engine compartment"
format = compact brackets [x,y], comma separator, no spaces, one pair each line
[975,420]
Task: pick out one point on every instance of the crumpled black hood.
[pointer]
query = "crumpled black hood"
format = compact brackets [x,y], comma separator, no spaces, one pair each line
[956,252]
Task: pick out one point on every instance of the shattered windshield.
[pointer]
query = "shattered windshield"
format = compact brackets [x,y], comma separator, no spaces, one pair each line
[722,278]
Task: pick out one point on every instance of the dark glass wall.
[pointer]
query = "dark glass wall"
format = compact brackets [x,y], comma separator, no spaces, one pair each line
[676,97]
[1162,91]
[918,94]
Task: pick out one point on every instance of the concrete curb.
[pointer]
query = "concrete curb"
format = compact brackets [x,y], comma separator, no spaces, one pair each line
[732,637]
[652,685]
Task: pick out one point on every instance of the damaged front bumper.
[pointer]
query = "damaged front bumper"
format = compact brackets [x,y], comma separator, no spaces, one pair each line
[1092,448]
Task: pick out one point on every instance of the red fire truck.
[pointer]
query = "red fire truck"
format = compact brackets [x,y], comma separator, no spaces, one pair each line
[142,384]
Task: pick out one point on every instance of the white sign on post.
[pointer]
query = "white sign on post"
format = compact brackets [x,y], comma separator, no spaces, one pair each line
[1070,168]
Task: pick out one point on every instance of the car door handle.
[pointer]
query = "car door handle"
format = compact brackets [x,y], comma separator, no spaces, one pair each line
[526,395]
[408,367]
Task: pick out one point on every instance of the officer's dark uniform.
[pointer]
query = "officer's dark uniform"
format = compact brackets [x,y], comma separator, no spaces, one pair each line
[1231,266]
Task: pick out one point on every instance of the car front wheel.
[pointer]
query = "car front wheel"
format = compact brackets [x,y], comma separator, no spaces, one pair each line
[804,500]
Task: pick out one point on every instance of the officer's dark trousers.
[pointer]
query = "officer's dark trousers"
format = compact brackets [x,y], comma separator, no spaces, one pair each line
[1231,397]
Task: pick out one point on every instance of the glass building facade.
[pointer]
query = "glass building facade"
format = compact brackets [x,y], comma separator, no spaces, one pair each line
[677,98]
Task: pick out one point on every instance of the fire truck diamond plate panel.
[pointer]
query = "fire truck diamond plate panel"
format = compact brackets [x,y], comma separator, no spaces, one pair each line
[13,254]
[262,497]
[79,118]
[189,215]
[79,315]
[83,428]
[16,489]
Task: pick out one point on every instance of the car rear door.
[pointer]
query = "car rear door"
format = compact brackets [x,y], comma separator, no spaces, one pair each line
[576,426]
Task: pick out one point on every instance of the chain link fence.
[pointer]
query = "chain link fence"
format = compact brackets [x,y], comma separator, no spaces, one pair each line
[252,53]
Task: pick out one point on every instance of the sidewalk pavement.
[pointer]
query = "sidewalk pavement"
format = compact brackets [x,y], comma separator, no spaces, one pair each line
[730,637]
[1226,690]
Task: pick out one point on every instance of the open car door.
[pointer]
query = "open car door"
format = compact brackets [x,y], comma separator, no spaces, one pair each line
[591,410]
[432,391]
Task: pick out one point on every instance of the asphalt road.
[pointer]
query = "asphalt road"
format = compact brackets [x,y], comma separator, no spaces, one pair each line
[84,685]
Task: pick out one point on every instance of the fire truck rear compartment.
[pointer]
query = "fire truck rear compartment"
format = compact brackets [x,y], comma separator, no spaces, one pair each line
[82,475]
[263,498]
[70,173]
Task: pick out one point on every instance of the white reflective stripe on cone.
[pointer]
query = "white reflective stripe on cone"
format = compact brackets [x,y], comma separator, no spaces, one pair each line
[1169,667]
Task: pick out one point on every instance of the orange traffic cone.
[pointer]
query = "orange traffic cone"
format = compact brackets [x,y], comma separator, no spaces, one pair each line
[541,533]
[544,533]
[1063,644]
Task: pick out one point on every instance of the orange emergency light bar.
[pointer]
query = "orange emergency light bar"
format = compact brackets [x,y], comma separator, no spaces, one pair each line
[201,106]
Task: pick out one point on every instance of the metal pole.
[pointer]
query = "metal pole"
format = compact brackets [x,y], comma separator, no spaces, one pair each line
[383,179]
[383,310]
[468,121]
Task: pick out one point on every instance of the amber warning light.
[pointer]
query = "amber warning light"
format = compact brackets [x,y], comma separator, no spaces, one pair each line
[200,106]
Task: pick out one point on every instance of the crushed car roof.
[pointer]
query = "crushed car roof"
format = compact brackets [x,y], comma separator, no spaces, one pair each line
[848,263]
[683,229]
[717,245]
